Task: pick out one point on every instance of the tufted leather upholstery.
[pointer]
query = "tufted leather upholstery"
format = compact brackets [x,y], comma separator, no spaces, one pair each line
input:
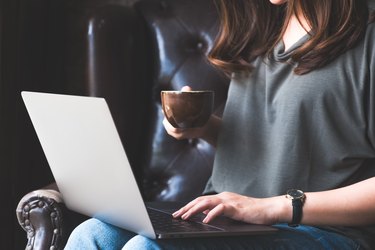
[179,169]
[127,55]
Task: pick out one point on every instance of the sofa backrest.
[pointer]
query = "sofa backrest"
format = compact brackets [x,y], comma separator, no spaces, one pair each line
[180,33]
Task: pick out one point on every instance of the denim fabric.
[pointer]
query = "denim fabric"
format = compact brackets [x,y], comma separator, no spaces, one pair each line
[94,234]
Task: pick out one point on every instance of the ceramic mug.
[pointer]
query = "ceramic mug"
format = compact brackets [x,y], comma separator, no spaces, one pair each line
[187,109]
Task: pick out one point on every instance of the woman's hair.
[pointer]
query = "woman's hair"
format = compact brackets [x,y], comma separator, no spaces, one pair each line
[252,28]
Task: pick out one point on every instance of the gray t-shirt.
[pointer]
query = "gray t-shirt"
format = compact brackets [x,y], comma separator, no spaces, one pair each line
[312,132]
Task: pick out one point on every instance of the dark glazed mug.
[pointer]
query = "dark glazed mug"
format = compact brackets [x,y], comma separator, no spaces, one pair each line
[187,109]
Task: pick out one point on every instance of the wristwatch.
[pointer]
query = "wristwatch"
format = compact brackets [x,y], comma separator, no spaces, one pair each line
[298,198]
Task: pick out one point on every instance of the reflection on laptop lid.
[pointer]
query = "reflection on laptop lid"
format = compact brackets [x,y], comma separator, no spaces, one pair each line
[91,169]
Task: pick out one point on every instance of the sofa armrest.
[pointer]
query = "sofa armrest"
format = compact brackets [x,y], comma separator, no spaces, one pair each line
[40,214]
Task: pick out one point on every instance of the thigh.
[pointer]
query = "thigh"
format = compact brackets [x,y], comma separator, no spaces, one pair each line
[95,234]
[299,238]
[325,239]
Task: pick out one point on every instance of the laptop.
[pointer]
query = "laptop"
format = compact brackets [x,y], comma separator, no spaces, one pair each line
[93,174]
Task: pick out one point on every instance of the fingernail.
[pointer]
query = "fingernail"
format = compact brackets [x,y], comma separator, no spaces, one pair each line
[206,220]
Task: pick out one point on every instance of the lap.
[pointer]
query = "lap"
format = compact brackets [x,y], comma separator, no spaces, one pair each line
[94,234]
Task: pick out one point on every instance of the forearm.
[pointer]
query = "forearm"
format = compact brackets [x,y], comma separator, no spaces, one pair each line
[348,206]
[211,130]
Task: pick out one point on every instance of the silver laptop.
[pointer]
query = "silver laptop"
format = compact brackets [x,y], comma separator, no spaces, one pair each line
[93,174]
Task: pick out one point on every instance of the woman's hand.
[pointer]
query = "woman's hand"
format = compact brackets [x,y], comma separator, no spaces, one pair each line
[238,207]
[184,133]
[353,205]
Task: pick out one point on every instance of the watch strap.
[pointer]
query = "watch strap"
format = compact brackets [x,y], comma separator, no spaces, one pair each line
[297,212]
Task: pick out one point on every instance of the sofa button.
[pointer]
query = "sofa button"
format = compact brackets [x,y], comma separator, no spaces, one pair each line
[40,204]
[200,46]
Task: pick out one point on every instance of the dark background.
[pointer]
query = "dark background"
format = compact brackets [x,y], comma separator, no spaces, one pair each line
[32,57]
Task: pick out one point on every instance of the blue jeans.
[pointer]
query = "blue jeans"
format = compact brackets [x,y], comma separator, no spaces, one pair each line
[94,234]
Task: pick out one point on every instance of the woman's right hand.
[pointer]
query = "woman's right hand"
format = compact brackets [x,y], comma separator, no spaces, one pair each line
[185,133]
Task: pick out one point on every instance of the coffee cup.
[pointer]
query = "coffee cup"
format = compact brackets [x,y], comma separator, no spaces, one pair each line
[187,109]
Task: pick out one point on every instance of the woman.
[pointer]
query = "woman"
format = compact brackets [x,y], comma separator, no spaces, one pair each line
[300,115]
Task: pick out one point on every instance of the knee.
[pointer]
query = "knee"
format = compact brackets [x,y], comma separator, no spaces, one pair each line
[141,242]
[95,234]
[85,234]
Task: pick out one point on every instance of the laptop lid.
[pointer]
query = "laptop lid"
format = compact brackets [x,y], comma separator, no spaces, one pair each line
[87,159]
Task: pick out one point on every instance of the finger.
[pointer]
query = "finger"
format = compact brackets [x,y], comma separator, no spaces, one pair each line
[189,206]
[186,88]
[168,126]
[206,211]
[203,205]
[170,129]
[186,207]
[183,209]
[215,212]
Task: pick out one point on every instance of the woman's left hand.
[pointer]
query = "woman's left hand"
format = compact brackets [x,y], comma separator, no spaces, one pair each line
[238,207]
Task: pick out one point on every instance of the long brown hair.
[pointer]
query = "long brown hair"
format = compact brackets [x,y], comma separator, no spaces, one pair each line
[251,28]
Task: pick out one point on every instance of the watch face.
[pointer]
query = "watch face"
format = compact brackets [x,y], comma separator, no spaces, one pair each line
[295,194]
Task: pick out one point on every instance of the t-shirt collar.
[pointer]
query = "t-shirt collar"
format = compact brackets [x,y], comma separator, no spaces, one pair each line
[279,51]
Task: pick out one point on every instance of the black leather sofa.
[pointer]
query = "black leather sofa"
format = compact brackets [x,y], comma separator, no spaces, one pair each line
[128,54]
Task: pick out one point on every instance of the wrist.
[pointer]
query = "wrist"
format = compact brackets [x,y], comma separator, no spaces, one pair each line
[209,132]
[283,210]
[278,209]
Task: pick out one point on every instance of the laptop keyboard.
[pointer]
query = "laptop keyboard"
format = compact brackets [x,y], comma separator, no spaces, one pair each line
[164,222]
